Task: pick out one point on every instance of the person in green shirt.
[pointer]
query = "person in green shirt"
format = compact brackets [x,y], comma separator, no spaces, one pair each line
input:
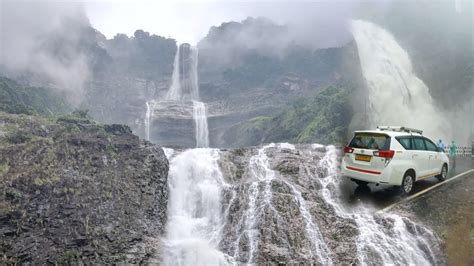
[452,151]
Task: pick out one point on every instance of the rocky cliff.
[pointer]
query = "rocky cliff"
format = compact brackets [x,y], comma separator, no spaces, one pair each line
[73,191]
[237,81]
[281,204]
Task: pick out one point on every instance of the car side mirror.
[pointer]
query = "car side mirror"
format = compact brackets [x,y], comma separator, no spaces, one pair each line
[440,149]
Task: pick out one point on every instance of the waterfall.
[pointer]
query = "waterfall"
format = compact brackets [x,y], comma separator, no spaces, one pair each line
[200,121]
[279,204]
[194,210]
[406,243]
[260,201]
[396,96]
[185,88]
[174,92]
[148,118]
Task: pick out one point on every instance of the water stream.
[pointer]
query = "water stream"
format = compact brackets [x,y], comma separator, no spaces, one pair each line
[279,203]
[396,96]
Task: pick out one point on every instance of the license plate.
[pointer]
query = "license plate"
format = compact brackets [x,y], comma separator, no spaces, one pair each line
[362,157]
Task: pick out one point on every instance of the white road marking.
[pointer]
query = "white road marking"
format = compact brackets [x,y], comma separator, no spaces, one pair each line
[410,198]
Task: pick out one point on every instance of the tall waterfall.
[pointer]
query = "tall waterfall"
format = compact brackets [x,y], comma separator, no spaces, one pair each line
[174,93]
[148,118]
[279,204]
[183,94]
[396,96]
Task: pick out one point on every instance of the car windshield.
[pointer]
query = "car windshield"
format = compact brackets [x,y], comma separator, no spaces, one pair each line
[372,141]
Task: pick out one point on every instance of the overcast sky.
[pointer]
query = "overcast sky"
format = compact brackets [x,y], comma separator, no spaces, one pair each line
[189,21]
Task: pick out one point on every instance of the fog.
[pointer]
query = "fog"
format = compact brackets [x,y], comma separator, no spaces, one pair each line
[28,31]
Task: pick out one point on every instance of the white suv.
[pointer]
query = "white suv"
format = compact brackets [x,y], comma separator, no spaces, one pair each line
[394,156]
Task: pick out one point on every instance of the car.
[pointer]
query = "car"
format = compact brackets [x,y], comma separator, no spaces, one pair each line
[393,155]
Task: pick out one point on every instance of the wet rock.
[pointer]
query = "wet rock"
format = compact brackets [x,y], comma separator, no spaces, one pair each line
[285,233]
[78,192]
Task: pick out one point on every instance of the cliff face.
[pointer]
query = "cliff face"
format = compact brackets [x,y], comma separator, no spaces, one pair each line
[247,73]
[75,191]
[238,80]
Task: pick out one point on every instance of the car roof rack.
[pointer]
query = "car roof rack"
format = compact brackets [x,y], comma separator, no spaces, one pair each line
[400,129]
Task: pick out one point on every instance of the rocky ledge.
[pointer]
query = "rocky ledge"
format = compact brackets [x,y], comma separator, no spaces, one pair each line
[73,191]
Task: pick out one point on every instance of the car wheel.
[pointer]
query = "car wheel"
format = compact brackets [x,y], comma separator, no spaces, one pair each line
[361,183]
[444,173]
[407,184]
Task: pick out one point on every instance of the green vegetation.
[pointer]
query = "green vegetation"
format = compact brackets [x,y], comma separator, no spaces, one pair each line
[322,119]
[256,70]
[17,99]
[19,136]
[77,117]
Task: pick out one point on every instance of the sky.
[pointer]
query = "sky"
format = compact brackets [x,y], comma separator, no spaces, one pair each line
[189,21]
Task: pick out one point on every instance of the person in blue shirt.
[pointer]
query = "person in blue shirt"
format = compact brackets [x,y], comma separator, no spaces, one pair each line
[441,145]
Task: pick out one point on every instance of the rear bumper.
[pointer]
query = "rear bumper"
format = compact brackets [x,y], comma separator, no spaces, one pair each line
[386,176]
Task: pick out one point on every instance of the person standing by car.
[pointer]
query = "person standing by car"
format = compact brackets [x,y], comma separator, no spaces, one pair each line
[452,152]
[441,145]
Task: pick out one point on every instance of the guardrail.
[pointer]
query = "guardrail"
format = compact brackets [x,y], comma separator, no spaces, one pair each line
[463,151]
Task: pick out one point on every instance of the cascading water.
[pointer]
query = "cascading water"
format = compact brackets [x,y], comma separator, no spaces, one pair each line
[174,93]
[184,90]
[396,95]
[200,120]
[405,244]
[148,118]
[279,204]
[194,211]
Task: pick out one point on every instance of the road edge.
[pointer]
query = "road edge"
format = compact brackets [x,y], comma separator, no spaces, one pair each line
[414,196]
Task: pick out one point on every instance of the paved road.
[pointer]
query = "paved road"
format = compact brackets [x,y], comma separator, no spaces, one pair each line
[449,210]
[382,196]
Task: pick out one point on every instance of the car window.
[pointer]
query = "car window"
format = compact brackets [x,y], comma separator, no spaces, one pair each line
[373,141]
[419,144]
[405,142]
[430,145]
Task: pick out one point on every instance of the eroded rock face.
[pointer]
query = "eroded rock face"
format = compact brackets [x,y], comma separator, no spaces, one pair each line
[75,191]
[172,123]
[297,225]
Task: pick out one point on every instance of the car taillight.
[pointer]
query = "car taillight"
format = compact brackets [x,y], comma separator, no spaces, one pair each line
[348,149]
[385,154]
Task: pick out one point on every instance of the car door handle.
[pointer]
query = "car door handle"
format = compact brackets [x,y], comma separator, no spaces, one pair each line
[414,155]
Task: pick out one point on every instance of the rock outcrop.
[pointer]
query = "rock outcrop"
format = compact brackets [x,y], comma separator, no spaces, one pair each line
[75,191]
[281,204]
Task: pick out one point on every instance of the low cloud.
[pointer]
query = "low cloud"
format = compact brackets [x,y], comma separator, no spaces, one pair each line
[39,42]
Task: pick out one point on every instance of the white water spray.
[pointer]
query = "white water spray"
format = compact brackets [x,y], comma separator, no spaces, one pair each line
[174,92]
[375,242]
[396,96]
[195,215]
[185,87]
[259,197]
[215,219]
[148,118]
[200,121]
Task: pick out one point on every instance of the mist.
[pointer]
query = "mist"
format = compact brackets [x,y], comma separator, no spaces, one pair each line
[39,41]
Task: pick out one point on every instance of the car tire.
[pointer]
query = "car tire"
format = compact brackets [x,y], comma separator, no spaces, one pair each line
[444,173]
[407,184]
[361,183]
